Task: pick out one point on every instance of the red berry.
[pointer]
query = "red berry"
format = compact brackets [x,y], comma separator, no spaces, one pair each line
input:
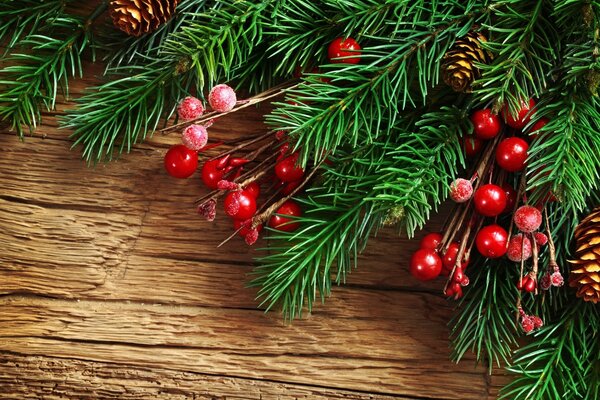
[222,98]
[341,47]
[288,187]
[537,321]
[431,241]
[281,222]
[540,238]
[253,189]
[212,174]
[519,248]
[522,117]
[511,197]
[425,264]
[246,226]
[527,218]
[181,162]
[194,137]
[527,324]
[511,154]
[530,286]
[190,108]
[491,241]
[287,169]
[240,204]
[449,257]
[486,125]
[533,132]
[461,190]
[490,200]
[472,146]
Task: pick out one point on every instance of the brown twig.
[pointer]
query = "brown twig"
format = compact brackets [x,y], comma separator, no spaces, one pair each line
[243,145]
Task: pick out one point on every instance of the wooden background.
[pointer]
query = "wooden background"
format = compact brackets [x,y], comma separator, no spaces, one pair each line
[111,287]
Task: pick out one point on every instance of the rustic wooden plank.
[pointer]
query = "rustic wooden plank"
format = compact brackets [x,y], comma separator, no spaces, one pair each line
[49,378]
[354,343]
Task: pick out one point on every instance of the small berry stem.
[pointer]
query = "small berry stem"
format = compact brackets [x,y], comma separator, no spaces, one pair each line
[460,254]
[243,145]
[534,269]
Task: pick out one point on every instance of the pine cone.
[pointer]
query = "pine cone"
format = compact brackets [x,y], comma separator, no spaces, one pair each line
[585,273]
[458,66]
[138,17]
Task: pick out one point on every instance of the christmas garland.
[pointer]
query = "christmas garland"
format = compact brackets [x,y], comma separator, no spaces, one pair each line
[382,110]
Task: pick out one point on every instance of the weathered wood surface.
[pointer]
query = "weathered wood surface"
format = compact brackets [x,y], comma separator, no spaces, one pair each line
[111,287]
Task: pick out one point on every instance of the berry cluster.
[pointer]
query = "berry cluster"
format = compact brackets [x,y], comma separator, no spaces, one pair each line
[529,322]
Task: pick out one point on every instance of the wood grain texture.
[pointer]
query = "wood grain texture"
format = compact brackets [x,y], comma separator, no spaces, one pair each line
[111,287]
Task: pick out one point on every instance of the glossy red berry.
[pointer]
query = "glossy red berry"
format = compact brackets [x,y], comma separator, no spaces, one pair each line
[472,146]
[491,241]
[490,200]
[181,162]
[534,131]
[212,174]
[245,225]
[527,219]
[287,169]
[425,264]
[347,48]
[511,154]
[461,190]
[530,285]
[431,241]
[486,125]
[253,189]
[281,222]
[449,257]
[240,204]
[511,197]
[521,118]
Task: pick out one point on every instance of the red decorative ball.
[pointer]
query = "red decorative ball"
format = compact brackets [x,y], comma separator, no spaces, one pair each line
[240,204]
[533,132]
[522,118]
[527,219]
[212,174]
[519,248]
[490,200]
[461,190]
[486,125]
[194,137]
[511,154]
[222,98]
[287,169]
[431,241]
[245,225]
[511,197]
[347,48]
[190,108]
[425,264]
[253,189]
[181,162]
[540,238]
[491,241]
[472,146]
[281,222]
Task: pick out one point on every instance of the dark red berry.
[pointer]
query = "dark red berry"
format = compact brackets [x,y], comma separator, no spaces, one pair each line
[246,227]
[425,264]
[280,221]
[511,154]
[212,174]
[181,162]
[527,219]
[490,200]
[491,241]
[472,146]
[449,257]
[534,131]
[288,187]
[240,205]
[431,241]
[287,169]
[530,286]
[253,189]
[486,125]
[540,238]
[527,324]
[511,197]
[347,48]
[521,118]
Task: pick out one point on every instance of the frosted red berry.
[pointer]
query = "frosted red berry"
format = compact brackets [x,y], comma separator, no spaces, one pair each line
[240,205]
[431,241]
[537,321]
[181,162]
[194,137]
[511,154]
[246,226]
[472,146]
[491,241]
[208,209]
[486,125]
[425,264]
[345,51]
[222,98]
[287,169]
[527,324]
[540,238]
[522,117]
[527,219]
[519,248]
[490,200]
[461,190]
[281,221]
[190,108]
